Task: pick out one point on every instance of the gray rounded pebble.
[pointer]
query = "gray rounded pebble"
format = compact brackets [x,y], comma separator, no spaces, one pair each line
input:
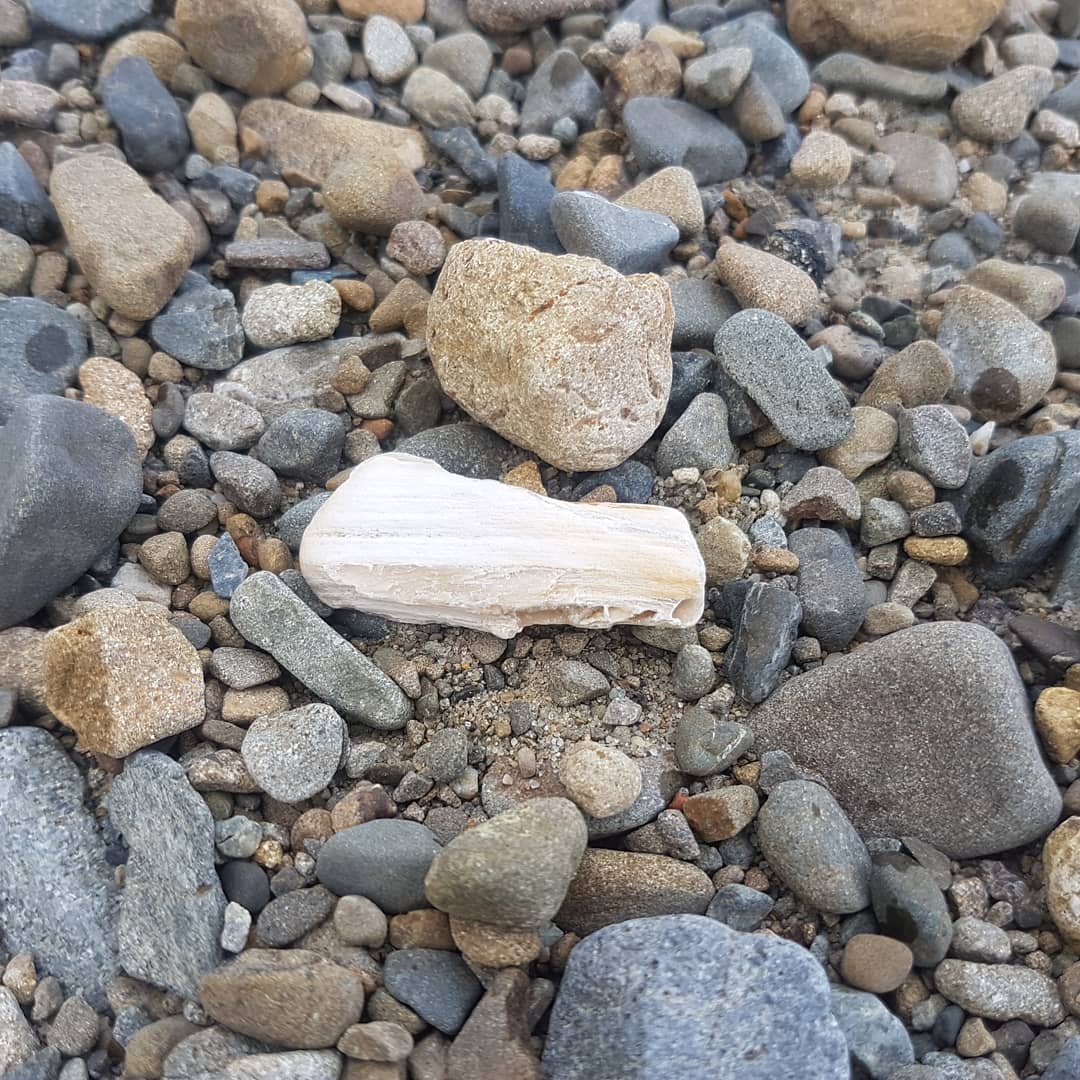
[436,985]
[294,755]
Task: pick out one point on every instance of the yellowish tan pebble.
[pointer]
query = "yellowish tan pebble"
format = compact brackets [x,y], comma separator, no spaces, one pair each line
[113,389]
[1061,871]
[527,476]
[1072,677]
[494,946]
[776,561]
[165,368]
[122,678]
[243,706]
[761,280]
[684,46]
[1057,716]
[822,161]
[939,550]
[201,547]
[273,554]
[208,605]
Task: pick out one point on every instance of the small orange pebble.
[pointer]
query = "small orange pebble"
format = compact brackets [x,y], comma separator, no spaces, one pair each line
[527,476]
[381,429]
[248,548]
[734,207]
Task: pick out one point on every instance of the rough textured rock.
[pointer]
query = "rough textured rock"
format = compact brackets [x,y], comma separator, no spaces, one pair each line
[57,889]
[829,588]
[512,870]
[699,999]
[272,617]
[172,905]
[130,243]
[258,46]
[1000,991]
[294,755]
[65,462]
[1003,362]
[500,16]
[122,678]
[915,725]
[920,33]
[542,347]
[314,143]
[295,998]
[614,886]
[761,280]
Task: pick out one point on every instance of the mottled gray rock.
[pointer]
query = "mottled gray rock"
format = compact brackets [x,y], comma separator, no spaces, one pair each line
[628,240]
[1066,1063]
[206,1051]
[294,755]
[152,128]
[931,440]
[1067,578]
[385,860]
[976,939]
[910,907]
[574,682]
[926,732]
[740,907]
[667,132]
[25,209]
[706,744]
[466,449]
[765,633]
[701,308]
[436,985]
[876,1039]
[560,86]
[295,1065]
[712,81]
[813,847]
[1000,991]
[248,483]
[17,1039]
[1018,502]
[512,870]
[272,617]
[41,348]
[769,361]
[822,494]
[698,439]
[71,481]
[57,890]
[882,522]
[291,525]
[304,443]
[172,907]
[220,422]
[699,999]
[830,587]
[288,917]
[200,327]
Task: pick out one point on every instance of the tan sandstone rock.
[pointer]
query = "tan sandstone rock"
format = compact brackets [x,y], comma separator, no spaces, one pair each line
[130,243]
[761,280]
[122,678]
[119,392]
[558,353]
[258,46]
[1061,869]
[922,33]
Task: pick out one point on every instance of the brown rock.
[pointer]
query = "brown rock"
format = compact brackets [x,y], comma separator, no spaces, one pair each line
[213,130]
[147,1049]
[165,557]
[875,963]
[558,353]
[722,814]
[119,392]
[379,1040]
[672,192]
[484,945]
[1057,717]
[725,549]
[920,374]
[418,246]
[22,666]
[1061,869]
[163,53]
[293,998]
[494,1043]
[498,16]
[1035,290]
[649,69]
[761,280]
[130,243]
[938,550]
[314,143]
[922,33]
[257,46]
[122,678]
[910,489]
[405,11]
[872,440]
[425,928]
[612,886]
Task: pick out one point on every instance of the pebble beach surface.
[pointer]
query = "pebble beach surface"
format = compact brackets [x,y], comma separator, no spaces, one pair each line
[801,273]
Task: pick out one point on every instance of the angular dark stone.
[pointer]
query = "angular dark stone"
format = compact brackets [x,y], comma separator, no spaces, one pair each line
[25,209]
[201,328]
[830,587]
[154,133]
[763,639]
[525,194]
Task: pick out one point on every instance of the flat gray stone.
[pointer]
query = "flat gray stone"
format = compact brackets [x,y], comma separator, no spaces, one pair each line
[764,636]
[294,755]
[927,733]
[1000,991]
[910,907]
[435,984]
[172,906]
[560,86]
[776,62]
[200,327]
[931,440]
[768,360]
[683,995]
[830,587]
[876,1039]
[57,890]
[273,618]
[860,74]
[698,439]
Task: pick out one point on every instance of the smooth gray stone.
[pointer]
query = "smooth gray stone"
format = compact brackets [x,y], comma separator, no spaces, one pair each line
[41,348]
[849,71]
[153,130]
[1067,582]
[291,525]
[71,481]
[57,890]
[876,1039]
[25,209]
[911,907]
[830,587]
[683,995]
[95,21]
[1018,503]
[525,194]
[698,439]
[201,328]
[273,618]
[466,448]
[926,732]
[172,906]
[435,984]
[701,308]
[776,62]
[560,86]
